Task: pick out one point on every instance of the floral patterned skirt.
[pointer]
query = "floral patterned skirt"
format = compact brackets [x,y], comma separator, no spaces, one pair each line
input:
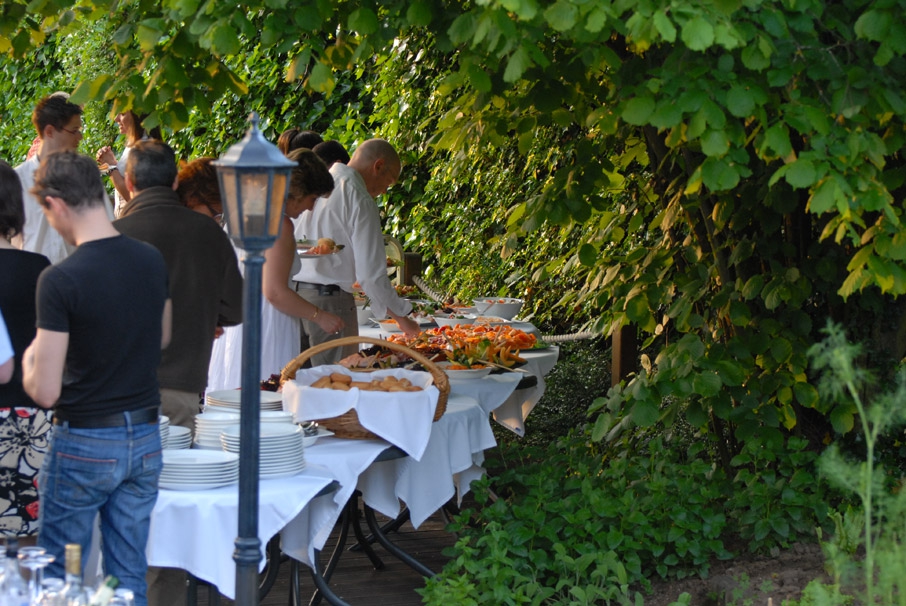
[25,435]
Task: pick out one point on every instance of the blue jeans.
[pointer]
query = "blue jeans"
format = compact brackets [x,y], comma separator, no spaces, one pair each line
[112,471]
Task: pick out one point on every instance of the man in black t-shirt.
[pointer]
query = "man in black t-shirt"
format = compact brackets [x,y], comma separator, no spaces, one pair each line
[103,317]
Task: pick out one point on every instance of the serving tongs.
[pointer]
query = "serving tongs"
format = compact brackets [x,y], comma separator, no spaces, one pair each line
[434,295]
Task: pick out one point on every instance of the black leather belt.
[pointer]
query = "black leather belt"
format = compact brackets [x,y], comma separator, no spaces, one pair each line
[323,289]
[137,417]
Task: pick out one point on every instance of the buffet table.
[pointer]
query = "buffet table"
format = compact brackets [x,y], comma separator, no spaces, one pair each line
[195,530]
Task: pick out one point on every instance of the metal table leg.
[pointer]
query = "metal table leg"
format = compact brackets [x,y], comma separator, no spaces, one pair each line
[393,549]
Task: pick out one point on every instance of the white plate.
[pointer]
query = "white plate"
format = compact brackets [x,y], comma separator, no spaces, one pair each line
[446,320]
[267,430]
[389,325]
[195,485]
[199,477]
[181,457]
[473,373]
[281,474]
[177,432]
[234,396]
[217,416]
[277,450]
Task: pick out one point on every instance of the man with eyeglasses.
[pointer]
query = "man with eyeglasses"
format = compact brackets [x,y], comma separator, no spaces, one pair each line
[59,126]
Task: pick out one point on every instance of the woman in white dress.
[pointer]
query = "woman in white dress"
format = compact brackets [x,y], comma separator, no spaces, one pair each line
[130,125]
[282,306]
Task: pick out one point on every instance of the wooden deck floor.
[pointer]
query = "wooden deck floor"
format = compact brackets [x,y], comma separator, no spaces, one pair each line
[355,579]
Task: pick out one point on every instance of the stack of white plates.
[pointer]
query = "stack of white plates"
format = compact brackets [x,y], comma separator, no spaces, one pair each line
[209,425]
[281,451]
[228,400]
[180,438]
[198,469]
[163,423]
[276,416]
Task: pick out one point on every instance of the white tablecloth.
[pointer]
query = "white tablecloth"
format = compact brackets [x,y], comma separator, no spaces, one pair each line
[515,409]
[196,530]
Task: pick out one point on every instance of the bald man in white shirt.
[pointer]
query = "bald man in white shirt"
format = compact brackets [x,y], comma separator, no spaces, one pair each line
[350,216]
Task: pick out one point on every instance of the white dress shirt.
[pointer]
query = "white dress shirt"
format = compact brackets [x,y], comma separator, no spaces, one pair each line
[37,235]
[350,217]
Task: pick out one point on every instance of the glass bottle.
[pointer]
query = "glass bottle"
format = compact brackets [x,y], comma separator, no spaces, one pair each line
[74,593]
[14,591]
[104,592]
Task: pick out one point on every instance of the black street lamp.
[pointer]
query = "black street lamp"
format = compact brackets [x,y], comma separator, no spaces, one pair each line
[254,182]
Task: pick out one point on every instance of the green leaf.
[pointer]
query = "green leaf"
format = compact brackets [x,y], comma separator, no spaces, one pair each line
[825,196]
[718,175]
[781,526]
[707,384]
[588,255]
[638,110]
[516,66]
[752,287]
[781,349]
[842,419]
[696,414]
[596,20]
[321,78]
[419,14]
[664,26]
[184,8]
[873,25]
[698,34]
[479,79]
[224,40]
[363,21]
[123,34]
[805,394]
[562,15]
[731,372]
[740,101]
[148,36]
[740,315]
[637,309]
[754,59]
[644,413]
[801,173]
[778,139]
[715,143]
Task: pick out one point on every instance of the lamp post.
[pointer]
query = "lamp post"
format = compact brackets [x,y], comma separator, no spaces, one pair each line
[254,183]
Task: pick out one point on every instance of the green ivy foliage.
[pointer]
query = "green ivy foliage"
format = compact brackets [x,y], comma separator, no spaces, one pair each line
[723,176]
[574,515]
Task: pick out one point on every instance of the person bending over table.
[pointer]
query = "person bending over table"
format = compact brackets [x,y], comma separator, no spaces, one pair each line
[350,217]
[282,306]
[103,317]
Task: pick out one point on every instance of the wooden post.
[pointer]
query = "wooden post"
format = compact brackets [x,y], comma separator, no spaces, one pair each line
[624,357]
[412,266]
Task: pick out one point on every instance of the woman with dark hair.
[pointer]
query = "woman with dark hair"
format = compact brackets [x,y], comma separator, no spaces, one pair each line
[130,125]
[199,189]
[24,427]
[282,307]
[293,139]
[331,152]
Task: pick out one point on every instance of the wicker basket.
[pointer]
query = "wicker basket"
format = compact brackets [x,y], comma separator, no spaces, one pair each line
[347,424]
